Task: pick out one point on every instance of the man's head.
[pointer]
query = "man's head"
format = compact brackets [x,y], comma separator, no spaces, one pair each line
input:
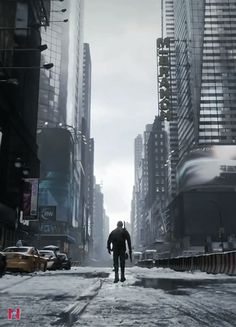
[120,224]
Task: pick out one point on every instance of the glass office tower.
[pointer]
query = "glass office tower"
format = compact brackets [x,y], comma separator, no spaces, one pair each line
[206,72]
[204,36]
[172,126]
[205,47]
[217,116]
[49,91]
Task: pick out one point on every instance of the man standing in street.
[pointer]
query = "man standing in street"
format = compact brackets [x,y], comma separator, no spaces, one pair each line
[118,237]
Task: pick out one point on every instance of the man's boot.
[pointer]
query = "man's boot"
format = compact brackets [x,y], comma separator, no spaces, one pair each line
[116,280]
[122,276]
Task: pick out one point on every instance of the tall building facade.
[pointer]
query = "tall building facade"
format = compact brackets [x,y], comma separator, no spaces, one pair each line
[204,47]
[172,126]
[98,230]
[144,181]
[75,62]
[138,153]
[20,54]
[90,194]
[61,90]
[87,145]
[144,185]
[156,197]
[106,232]
[132,215]
[50,109]
[157,168]
[60,115]
[86,88]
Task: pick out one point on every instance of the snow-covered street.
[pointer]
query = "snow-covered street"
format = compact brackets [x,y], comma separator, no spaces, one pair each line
[86,296]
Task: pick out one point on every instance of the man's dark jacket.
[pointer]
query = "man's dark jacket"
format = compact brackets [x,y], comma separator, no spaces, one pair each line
[118,237]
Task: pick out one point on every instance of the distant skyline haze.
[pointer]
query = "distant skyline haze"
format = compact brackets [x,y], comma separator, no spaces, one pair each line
[122,36]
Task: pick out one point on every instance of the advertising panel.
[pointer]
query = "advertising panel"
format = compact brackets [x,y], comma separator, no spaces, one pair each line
[208,166]
[47,213]
[56,157]
[30,199]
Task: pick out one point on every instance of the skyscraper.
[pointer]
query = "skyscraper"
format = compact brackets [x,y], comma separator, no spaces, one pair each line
[157,155]
[86,88]
[172,126]
[59,100]
[98,230]
[20,44]
[205,48]
[61,114]
[203,33]
[138,153]
[50,109]
[75,62]
[86,187]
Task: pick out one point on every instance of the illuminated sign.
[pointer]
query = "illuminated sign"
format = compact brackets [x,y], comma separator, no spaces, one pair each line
[164,89]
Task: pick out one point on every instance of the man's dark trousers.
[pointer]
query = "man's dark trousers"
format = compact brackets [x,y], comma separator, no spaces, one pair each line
[116,255]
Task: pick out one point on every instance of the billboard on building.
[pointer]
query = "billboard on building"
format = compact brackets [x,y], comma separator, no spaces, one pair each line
[56,179]
[207,166]
[47,213]
[163,78]
[30,199]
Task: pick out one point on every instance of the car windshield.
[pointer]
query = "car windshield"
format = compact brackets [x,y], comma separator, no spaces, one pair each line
[46,253]
[16,249]
[62,255]
[51,247]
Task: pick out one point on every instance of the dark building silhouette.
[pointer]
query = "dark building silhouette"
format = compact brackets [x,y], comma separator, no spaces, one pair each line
[60,115]
[98,225]
[90,196]
[157,157]
[87,149]
[19,84]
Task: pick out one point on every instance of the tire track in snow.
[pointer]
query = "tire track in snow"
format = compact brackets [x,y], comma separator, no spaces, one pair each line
[72,313]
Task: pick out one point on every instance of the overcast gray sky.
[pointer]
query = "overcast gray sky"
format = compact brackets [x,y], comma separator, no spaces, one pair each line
[122,36]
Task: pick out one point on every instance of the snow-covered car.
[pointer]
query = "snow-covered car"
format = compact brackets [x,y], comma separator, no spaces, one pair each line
[24,258]
[53,261]
[53,248]
[2,264]
[65,261]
